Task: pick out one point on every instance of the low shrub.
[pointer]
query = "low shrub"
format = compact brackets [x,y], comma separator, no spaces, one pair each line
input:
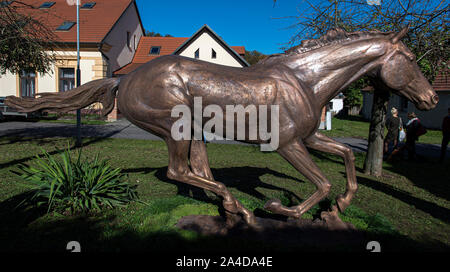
[76,186]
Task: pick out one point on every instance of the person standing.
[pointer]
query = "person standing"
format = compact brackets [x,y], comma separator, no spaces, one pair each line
[445,135]
[411,135]
[393,126]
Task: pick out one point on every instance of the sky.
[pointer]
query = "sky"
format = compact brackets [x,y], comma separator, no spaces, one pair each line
[249,23]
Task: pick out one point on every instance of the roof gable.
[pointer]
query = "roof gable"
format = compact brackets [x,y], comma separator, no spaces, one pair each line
[218,39]
[168,46]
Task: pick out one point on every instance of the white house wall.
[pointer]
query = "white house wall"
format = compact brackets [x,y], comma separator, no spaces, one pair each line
[205,43]
[120,54]
[7,84]
[48,82]
[338,105]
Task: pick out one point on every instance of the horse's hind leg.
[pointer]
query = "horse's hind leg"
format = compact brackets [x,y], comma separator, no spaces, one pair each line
[297,155]
[198,157]
[179,170]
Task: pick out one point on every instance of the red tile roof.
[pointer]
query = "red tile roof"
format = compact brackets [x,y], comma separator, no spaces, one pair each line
[442,81]
[168,46]
[239,49]
[130,67]
[95,23]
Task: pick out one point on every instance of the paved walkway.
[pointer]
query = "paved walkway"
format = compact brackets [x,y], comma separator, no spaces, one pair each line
[124,129]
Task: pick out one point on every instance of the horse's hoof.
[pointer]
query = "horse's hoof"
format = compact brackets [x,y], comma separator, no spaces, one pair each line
[333,221]
[333,214]
[232,219]
[342,203]
[250,219]
[273,205]
[230,206]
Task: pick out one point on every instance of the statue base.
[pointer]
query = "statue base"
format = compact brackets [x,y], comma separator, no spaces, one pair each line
[330,231]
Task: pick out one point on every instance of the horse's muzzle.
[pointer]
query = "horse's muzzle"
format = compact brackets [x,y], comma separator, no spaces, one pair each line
[435,99]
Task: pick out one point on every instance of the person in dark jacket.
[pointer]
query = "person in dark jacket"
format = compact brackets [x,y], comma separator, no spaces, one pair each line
[445,135]
[393,126]
[411,135]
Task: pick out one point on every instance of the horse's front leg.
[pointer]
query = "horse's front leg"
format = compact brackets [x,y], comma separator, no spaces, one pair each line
[323,143]
[298,156]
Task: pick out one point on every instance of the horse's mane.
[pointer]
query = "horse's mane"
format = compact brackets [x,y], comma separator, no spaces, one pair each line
[333,36]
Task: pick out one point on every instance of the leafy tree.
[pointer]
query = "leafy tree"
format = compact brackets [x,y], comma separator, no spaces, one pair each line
[427,38]
[155,34]
[253,57]
[25,42]
[353,95]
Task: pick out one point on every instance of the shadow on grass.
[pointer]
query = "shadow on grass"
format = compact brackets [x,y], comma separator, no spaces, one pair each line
[244,179]
[21,232]
[426,174]
[43,141]
[432,209]
[31,230]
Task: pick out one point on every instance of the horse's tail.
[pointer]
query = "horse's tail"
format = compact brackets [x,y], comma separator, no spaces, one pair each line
[101,90]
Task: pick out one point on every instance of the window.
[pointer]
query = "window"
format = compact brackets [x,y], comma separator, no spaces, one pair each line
[197,54]
[47,5]
[213,54]
[66,79]
[89,5]
[129,39]
[155,50]
[65,26]
[27,84]
[135,43]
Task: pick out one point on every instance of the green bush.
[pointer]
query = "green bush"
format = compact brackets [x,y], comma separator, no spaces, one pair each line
[76,186]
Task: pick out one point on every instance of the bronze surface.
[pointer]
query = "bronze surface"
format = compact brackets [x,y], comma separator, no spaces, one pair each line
[301,82]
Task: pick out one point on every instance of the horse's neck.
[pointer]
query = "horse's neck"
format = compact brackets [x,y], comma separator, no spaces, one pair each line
[330,69]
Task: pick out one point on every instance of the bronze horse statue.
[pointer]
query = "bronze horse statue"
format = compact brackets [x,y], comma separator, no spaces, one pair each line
[301,82]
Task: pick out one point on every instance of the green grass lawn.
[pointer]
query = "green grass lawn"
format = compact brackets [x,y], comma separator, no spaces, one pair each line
[356,127]
[86,119]
[406,209]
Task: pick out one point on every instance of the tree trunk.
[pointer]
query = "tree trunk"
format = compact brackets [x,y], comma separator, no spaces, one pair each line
[373,164]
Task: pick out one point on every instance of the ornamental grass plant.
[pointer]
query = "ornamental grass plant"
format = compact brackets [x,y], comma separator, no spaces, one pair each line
[76,186]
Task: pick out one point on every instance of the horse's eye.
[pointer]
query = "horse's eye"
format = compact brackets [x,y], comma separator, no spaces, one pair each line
[411,57]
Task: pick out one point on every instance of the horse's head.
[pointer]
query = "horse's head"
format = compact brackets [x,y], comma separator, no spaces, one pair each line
[400,72]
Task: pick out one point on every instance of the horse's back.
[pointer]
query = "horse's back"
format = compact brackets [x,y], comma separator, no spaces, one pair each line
[180,79]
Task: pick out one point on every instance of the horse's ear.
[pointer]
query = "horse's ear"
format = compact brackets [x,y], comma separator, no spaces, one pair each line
[397,37]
